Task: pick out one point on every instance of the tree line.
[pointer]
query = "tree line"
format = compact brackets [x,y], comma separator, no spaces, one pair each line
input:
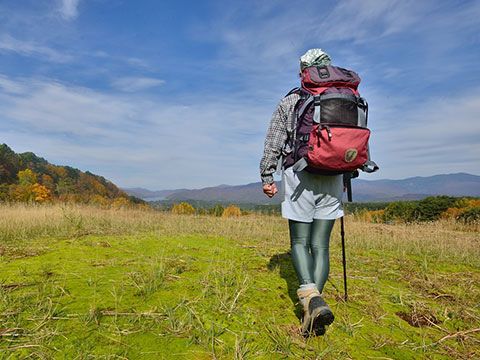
[432,208]
[26,177]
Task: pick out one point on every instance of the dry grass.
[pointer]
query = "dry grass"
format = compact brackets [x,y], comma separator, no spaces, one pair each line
[177,283]
[21,223]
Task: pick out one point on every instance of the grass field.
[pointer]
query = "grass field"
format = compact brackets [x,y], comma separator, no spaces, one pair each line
[79,282]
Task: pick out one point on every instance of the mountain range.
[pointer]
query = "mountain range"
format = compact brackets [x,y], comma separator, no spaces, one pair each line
[414,188]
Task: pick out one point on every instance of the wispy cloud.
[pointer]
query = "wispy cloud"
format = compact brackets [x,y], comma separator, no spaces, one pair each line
[133,84]
[432,137]
[133,114]
[162,141]
[69,9]
[32,49]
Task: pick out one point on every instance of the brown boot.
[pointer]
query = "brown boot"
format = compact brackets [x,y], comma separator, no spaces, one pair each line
[316,313]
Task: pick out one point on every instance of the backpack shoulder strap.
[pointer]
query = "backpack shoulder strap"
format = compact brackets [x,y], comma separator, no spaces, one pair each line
[296,90]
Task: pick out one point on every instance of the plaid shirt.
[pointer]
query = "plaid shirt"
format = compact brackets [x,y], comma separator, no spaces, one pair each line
[281,124]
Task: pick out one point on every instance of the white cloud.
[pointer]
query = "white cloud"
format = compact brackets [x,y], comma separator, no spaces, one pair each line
[198,141]
[277,37]
[31,49]
[201,141]
[191,142]
[69,9]
[437,136]
[133,84]
[11,87]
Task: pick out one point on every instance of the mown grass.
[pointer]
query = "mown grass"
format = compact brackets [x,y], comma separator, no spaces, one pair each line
[83,283]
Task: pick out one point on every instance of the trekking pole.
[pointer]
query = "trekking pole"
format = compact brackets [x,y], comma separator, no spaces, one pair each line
[347,182]
[342,232]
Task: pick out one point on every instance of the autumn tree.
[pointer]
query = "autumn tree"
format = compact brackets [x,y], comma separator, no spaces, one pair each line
[40,193]
[183,208]
[99,200]
[120,203]
[48,182]
[26,177]
[232,211]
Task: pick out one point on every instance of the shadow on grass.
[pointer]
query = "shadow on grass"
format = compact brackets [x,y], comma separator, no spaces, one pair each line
[283,262]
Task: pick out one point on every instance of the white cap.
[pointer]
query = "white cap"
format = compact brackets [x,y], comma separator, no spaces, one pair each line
[314,57]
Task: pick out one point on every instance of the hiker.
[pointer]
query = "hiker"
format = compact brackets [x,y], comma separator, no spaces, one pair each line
[312,203]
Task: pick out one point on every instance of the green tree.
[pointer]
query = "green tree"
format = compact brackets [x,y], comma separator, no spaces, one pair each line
[430,208]
[403,211]
[26,177]
[217,210]
[4,192]
[470,216]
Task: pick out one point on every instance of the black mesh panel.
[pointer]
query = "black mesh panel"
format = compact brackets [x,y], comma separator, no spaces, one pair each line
[339,111]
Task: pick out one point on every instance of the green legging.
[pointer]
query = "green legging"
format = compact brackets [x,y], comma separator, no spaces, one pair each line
[310,250]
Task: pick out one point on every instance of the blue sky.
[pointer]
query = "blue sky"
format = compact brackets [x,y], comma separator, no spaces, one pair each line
[171,94]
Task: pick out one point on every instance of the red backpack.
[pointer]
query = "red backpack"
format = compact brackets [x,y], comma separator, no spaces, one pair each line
[330,135]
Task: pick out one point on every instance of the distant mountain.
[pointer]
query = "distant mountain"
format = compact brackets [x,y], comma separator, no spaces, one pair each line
[249,193]
[460,184]
[149,195]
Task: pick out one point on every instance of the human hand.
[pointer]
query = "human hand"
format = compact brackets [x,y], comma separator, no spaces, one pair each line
[270,189]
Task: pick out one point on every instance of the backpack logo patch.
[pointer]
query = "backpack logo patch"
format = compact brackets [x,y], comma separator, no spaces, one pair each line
[350,155]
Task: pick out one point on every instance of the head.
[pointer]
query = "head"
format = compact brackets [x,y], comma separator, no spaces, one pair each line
[314,57]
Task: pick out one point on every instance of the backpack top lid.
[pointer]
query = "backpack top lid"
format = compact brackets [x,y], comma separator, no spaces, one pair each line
[316,79]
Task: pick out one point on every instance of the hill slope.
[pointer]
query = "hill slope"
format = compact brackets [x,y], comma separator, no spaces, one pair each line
[19,173]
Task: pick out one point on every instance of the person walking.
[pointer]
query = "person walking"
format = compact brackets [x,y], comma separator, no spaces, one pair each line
[312,202]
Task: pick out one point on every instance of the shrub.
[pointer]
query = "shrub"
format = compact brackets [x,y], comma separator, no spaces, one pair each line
[470,216]
[4,188]
[99,200]
[217,210]
[120,203]
[403,211]
[430,208]
[232,211]
[202,211]
[183,208]
[451,213]
[377,216]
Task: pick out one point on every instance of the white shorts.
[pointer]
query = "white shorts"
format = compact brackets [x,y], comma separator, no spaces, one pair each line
[309,196]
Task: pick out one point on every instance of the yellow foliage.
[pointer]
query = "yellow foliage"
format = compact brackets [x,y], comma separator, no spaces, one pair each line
[232,211]
[473,203]
[451,213]
[26,177]
[461,206]
[373,216]
[120,203]
[61,171]
[48,182]
[183,208]
[143,207]
[21,192]
[99,200]
[27,193]
[70,198]
[41,193]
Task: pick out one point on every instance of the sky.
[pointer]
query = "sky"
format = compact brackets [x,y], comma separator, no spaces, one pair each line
[179,94]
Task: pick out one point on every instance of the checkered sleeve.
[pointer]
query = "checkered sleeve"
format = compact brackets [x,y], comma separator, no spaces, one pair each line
[276,138]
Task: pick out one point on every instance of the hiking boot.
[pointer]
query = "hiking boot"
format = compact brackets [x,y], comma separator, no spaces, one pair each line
[316,313]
